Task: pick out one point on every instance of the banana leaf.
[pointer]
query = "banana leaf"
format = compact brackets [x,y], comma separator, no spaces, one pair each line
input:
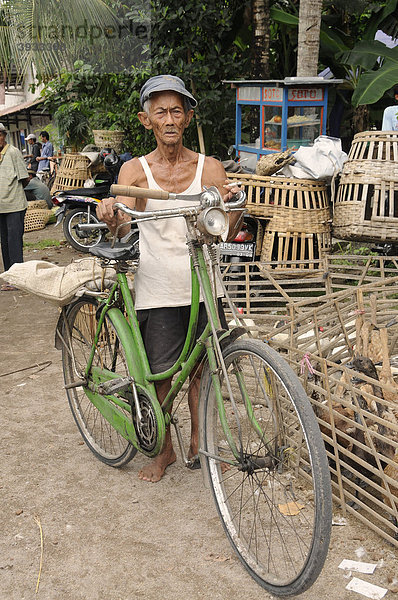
[366,54]
[330,40]
[372,85]
[381,15]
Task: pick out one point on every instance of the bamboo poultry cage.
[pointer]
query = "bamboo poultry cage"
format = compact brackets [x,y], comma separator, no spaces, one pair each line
[366,207]
[263,290]
[344,346]
[296,214]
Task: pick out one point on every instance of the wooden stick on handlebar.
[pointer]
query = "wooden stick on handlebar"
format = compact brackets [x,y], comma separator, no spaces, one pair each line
[137,192]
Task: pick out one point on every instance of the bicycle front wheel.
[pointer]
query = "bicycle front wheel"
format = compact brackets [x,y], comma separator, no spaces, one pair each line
[272,491]
[103,440]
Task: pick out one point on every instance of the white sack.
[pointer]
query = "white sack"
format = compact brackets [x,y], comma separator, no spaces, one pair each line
[53,283]
[320,161]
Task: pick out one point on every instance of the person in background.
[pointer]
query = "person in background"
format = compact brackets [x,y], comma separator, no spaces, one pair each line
[390,115]
[13,203]
[47,150]
[35,150]
[37,190]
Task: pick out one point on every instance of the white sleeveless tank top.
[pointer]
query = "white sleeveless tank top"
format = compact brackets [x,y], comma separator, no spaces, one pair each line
[163,277]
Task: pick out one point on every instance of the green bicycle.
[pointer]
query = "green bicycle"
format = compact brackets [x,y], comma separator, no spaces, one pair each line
[260,449]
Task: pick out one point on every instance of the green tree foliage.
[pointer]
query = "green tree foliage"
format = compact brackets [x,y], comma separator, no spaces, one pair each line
[194,41]
[348,48]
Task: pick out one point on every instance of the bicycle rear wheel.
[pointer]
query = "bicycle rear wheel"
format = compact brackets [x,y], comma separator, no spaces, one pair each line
[275,499]
[103,440]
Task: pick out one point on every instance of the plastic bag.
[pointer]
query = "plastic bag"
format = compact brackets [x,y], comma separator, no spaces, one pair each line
[323,160]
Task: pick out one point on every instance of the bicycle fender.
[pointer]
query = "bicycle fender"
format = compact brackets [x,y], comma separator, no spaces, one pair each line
[58,330]
[228,337]
[204,379]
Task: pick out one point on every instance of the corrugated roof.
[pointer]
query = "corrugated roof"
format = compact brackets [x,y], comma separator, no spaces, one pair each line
[19,107]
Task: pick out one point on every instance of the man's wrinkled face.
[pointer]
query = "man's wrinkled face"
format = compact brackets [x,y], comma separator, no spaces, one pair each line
[167,117]
[31,141]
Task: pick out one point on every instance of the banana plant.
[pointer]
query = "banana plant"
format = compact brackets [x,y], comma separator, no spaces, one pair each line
[45,35]
[369,67]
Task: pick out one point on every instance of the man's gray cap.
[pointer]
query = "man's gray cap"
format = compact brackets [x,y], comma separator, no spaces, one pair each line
[31,136]
[165,83]
[2,128]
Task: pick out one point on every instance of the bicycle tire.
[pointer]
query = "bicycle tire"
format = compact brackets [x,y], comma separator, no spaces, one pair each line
[88,239]
[282,468]
[103,440]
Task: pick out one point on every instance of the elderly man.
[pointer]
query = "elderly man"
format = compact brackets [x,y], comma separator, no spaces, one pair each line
[13,178]
[163,288]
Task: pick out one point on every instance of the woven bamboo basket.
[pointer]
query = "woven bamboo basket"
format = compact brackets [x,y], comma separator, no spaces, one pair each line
[265,195]
[366,208]
[358,419]
[105,138]
[374,145]
[36,219]
[37,204]
[298,214]
[73,172]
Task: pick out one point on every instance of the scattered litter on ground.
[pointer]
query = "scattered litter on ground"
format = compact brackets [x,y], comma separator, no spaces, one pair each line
[374,592]
[357,567]
[290,509]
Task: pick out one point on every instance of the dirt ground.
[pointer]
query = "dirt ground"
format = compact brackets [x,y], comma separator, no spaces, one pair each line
[108,535]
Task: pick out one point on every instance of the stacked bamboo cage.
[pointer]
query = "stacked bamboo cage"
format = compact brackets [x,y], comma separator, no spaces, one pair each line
[297,217]
[366,207]
[73,172]
[263,290]
[344,347]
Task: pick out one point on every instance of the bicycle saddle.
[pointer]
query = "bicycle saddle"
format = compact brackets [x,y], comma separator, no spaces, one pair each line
[120,251]
[99,192]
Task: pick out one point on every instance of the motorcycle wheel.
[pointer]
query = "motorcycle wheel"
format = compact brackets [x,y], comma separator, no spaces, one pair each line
[81,241]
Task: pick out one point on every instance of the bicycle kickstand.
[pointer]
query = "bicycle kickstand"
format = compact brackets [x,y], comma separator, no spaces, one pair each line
[174,421]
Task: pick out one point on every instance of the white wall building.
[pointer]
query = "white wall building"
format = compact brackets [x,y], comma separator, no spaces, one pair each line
[21,110]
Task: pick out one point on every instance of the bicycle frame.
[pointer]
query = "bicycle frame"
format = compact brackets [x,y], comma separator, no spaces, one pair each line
[142,378]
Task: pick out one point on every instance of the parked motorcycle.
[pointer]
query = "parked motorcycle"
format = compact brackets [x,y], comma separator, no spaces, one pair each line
[79,206]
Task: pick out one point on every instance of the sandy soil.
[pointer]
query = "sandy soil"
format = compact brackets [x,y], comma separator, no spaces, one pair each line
[107,535]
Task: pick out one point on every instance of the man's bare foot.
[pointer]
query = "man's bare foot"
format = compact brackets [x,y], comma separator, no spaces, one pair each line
[156,468]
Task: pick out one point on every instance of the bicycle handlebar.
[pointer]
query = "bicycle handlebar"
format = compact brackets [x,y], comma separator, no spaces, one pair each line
[209,197]
[137,192]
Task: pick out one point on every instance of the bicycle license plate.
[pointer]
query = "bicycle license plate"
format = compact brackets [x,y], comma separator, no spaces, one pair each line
[234,249]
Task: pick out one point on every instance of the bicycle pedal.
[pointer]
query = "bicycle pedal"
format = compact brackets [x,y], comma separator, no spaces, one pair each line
[115,385]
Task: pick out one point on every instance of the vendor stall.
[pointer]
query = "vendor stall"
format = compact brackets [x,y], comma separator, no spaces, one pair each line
[275,115]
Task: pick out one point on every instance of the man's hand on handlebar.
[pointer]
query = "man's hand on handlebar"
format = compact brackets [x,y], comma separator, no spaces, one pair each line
[232,188]
[105,212]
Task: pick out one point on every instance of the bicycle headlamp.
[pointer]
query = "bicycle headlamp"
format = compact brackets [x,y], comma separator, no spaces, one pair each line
[213,221]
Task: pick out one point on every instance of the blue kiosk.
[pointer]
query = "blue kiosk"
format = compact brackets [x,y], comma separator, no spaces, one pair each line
[277,115]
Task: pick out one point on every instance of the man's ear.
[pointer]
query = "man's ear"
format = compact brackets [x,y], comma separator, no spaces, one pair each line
[188,117]
[144,120]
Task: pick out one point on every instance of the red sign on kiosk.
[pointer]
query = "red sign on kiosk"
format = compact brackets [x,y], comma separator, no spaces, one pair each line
[273,94]
[300,94]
